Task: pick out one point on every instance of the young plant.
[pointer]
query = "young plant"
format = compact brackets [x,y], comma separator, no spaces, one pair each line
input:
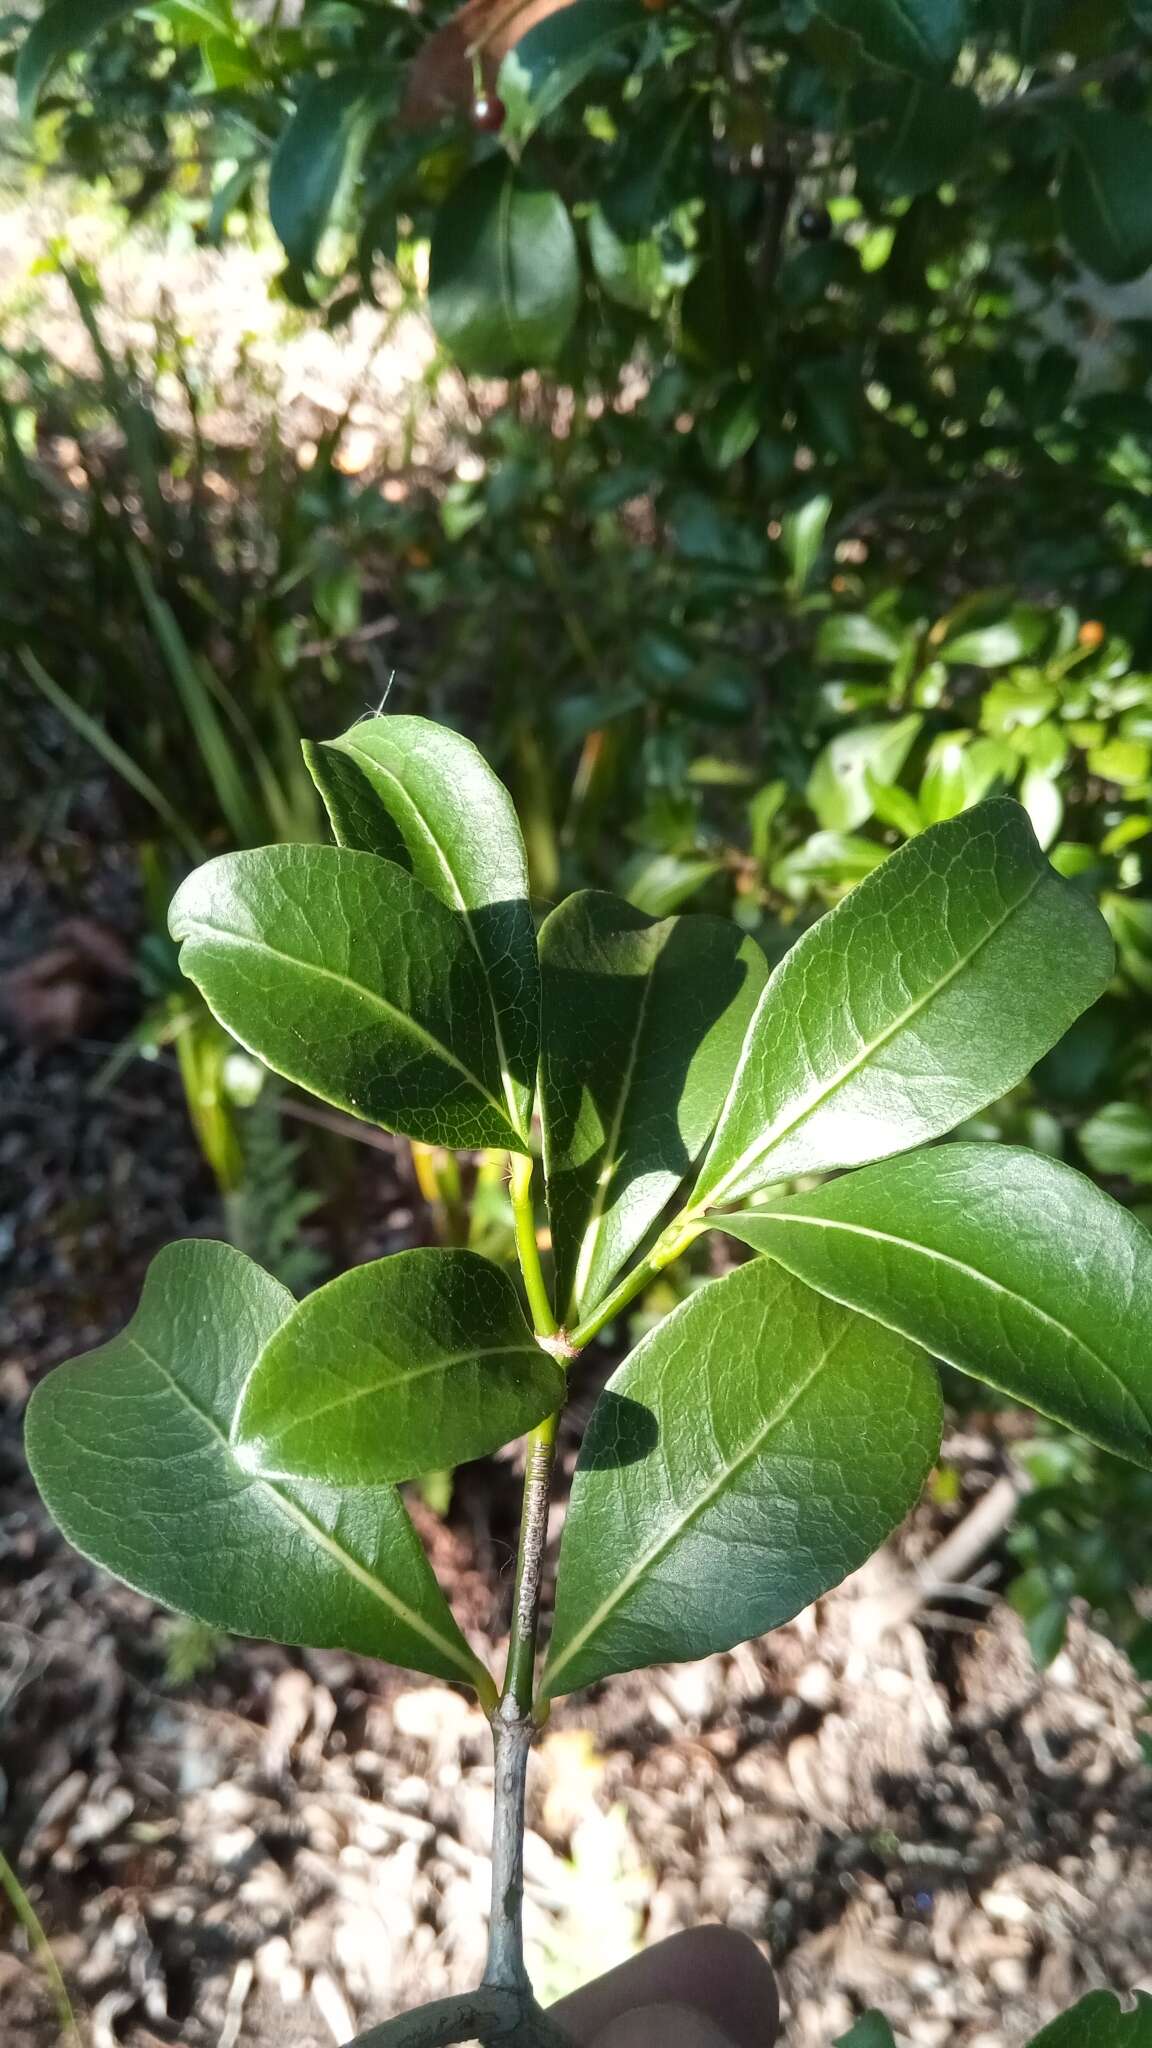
[235,1454]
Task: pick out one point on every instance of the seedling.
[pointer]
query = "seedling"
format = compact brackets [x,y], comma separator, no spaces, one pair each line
[235,1454]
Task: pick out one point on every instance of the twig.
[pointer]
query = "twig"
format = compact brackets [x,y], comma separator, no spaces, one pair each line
[940,1575]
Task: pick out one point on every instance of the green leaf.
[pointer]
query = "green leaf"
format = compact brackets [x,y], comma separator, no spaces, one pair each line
[802,537]
[853,636]
[832,860]
[504,277]
[919,36]
[420,1360]
[642,1027]
[755,1448]
[927,993]
[631,272]
[838,788]
[870,2031]
[130,1448]
[1118,1141]
[318,153]
[556,56]
[998,643]
[426,798]
[64,28]
[346,975]
[1104,188]
[1099,2021]
[1007,1264]
[959,771]
[914,137]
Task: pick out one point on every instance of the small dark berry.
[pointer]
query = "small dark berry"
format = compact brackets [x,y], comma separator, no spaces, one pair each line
[488,112]
[814,223]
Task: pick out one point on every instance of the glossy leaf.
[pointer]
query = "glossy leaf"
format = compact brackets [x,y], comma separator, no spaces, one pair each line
[316,155]
[838,788]
[755,1448]
[130,1448]
[631,272]
[65,27]
[557,55]
[642,1027]
[1103,193]
[396,1368]
[1100,2021]
[927,993]
[919,36]
[425,797]
[853,636]
[343,973]
[1007,1264]
[504,278]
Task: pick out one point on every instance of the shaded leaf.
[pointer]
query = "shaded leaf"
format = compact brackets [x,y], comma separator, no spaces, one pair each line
[64,28]
[318,152]
[913,138]
[870,2031]
[130,1448]
[642,1026]
[1104,188]
[927,993]
[920,36]
[755,1448]
[1007,1264]
[557,55]
[401,1366]
[504,278]
[344,974]
[423,796]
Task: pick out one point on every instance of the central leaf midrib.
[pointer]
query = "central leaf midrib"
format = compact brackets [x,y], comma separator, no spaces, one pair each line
[699,1506]
[417,816]
[763,1148]
[972,1273]
[401,1379]
[293,1512]
[356,988]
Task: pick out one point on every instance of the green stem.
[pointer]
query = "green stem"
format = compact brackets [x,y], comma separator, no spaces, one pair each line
[527,1250]
[681,1232]
[41,1948]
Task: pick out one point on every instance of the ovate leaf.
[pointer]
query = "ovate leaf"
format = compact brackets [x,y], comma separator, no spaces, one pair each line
[642,1027]
[65,27]
[1104,189]
[920,36]
[418,794]
[399,1367]
[504,277]
[343,973]
[927,993]
[1007,1264]
[318,153]
[130,1448]
[1099,2021]
[752,1451]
